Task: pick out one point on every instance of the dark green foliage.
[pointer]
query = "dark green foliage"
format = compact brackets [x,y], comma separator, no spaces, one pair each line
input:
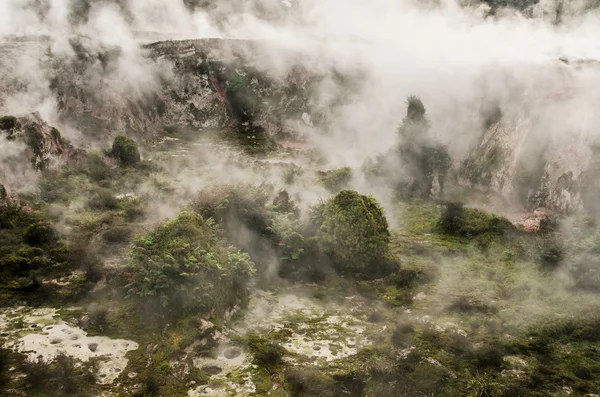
[265,353]
[103,200]
[490,355]
[58,378]
[243,102]
[185,264]
[572,329]
[38,234]
[231,205]
[521,5]
[457,220]
[309,382]
[242,211]
[125,150]
[353,231]
[402,336]
[5,364]
[335,180]
[282,203]
[118,235]
[415,110]
[551,253]
[96,169]
[421,158]
[8,123]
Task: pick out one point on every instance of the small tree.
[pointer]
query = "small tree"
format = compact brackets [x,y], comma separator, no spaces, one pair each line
[353,230]
[186,263]
[125,150]
[422,158]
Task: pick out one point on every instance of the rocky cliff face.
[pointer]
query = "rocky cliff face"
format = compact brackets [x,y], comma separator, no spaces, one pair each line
[42,145]
[539,153]
[167,86]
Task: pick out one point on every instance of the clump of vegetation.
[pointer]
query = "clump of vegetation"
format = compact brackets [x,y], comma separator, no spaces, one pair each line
[38,234]
[352,230]
[244,104]
[265,353]
[125,150]
[291,173]
[60,377]
[335,180]
[457,220]
[308,382]
[8,123]
[421,158]
[185,264]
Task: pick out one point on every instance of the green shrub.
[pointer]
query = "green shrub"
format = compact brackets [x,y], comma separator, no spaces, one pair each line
[309,382]
[457,220]
[353,231]
[104,200]
[419,157]
[282,203]
[231,205]
[125,150]
[335,180]
[185,263]
[96,169]
[551,253]
[38,234]
[8,123]
[265,353]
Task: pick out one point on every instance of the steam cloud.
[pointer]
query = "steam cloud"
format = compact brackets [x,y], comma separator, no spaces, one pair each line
[451,56]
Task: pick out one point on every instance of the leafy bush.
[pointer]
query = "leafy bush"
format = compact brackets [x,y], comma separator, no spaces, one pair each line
[421,158]
[8,123]
[125,150]
[38,234]
[470,222]
[103,200]
[265,353]
[551,253]
[335,180]
[185,263]
[310,382]
[352,230]
[95,167]
[230,205]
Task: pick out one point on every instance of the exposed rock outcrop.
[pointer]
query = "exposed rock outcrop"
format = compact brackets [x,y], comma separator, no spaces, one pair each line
[41,144]
[169,86]
[539,152]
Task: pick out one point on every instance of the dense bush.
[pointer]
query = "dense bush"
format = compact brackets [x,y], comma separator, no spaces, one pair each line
[104,199]
[8,123]
[422,158]
[186,264]
[352,230]
[38,234]
[470,222]
[235,205]
[335,180]
[125,150]
[265,353]
[308,382]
